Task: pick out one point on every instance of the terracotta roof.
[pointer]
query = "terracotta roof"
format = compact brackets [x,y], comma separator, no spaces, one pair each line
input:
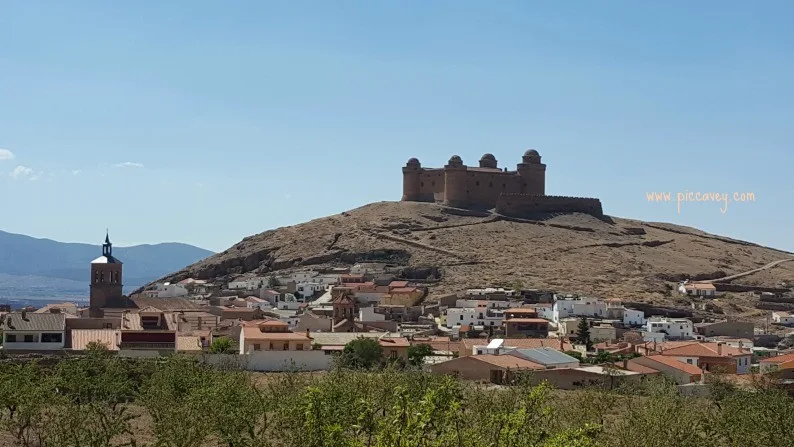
[507,361]
[81,337]
[699,349]
[700,286]
[526,320]
[679,365]
[632,365]
[398,284]
[394,342]
[779,359]
[253,333]
[34,322]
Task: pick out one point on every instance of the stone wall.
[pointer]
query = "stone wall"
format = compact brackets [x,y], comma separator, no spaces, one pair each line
[526,204]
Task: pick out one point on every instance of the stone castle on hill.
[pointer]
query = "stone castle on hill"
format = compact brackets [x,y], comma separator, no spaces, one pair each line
[513,193]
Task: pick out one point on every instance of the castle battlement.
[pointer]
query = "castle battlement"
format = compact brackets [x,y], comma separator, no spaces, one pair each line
[487,186]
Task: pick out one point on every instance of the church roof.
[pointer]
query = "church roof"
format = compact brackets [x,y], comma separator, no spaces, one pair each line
[106,260]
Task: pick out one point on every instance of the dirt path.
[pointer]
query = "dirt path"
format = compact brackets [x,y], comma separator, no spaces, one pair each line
[749,272]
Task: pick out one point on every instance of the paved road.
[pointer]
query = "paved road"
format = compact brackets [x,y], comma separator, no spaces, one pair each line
[749,272]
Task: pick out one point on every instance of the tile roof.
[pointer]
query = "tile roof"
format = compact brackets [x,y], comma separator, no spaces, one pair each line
[700,349]
[507,361]
[632,365]
[677,364]
[526,320]
[779,359]
[63,307]
[131,321]
[34,322]
[398,284]
[521,310]
[404,290]
[400,342]
[80,338]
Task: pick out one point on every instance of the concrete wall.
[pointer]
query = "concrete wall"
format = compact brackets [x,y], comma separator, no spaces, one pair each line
[525,204]
[274,360]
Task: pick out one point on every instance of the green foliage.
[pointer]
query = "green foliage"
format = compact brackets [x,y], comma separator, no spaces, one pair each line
[362,353]
[222,345]
[94,400]
[583,334]
[575,354]
[417,353]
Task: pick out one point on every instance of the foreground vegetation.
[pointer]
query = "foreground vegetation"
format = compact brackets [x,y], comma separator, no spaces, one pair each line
[101,400]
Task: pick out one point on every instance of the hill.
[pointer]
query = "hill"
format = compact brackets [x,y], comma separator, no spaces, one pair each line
[59,268]
[578,253]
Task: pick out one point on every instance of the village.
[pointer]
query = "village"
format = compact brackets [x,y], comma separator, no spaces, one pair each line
[302,321]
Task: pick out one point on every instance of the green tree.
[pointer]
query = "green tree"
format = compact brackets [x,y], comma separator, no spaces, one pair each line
[272,281]
[583,334]
[362,353]
[417,353]
[222,345]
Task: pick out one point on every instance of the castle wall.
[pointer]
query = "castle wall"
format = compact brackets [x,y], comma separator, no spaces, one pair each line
[482,189]
[524,204]
[431,185]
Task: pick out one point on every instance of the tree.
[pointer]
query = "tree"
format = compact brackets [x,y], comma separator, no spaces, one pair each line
[222,345]
[272,281]
[583,334]
[417,353]
[362,353]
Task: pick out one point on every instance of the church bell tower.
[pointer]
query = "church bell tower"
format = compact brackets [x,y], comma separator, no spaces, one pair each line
[106,285]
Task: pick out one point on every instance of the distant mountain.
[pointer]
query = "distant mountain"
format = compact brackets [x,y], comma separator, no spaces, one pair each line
[57,267]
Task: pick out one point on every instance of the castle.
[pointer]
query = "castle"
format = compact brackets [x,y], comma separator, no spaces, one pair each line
[514,193]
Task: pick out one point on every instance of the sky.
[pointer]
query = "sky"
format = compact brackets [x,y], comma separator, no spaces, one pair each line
[204,122]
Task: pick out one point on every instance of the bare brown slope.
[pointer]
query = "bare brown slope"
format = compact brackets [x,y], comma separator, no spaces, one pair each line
[570,252]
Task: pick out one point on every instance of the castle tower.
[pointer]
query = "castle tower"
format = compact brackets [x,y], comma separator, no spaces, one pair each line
[488,161]
[106,283]
[455,192]
[533,173]
[411,180]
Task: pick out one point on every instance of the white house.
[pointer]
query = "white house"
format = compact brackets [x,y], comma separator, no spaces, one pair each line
[490,304]
[362,268]
[578,307]
[474,316]
[287,302]
[490,291]
[697,289]
[650,337]
[327,280]
[783,318]
[673,328]
[248,283]
[544,310]
[369,314]
[309,288]
[168,290]
[304,276]
[632,317]
[25,331]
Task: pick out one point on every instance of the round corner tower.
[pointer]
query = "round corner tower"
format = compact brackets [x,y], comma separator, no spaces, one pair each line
[411,180]
[455,193]
[533,173]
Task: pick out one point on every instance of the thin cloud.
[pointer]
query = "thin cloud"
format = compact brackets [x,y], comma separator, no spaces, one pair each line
[5,154]
[129,164]
[21,172]
[77,171]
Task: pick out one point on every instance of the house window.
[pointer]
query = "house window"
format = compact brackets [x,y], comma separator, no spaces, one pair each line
[689,361]
[393,354]
[28,339]
[257,347]
[51,338]
[286,346]
[11,338]
[300,347]
[461,318]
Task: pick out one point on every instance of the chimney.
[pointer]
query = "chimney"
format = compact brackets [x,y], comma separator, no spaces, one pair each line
[24,314]
[719,349]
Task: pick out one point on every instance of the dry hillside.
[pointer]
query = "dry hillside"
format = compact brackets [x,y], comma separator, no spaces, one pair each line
[576,253]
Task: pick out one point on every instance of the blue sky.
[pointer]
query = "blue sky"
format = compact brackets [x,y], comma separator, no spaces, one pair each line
[204,121]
